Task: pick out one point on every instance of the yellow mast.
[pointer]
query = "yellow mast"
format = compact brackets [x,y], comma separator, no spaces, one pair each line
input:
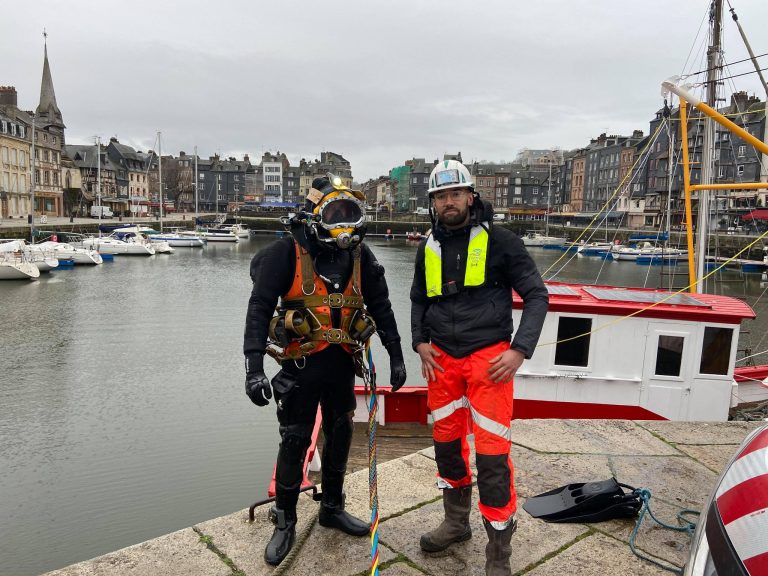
[687,97]
[687,190]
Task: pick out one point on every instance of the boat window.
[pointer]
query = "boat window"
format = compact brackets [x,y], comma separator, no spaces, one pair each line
[573,351]
[716,350]
[669,355]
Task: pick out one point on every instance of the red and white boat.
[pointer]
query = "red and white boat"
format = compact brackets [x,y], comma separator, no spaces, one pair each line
[621,353]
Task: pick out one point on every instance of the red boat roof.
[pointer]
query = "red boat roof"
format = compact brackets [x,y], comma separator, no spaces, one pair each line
[643,302]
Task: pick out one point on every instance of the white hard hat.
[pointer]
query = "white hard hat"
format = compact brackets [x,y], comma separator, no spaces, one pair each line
[449,174]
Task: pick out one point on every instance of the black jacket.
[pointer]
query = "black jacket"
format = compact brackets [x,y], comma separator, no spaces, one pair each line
[477,317]
[272,270]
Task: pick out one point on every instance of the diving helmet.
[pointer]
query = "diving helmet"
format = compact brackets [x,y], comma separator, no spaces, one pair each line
[338,213]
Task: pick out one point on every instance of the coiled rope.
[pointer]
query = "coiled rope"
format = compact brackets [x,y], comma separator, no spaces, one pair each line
[685,525]
[369,377]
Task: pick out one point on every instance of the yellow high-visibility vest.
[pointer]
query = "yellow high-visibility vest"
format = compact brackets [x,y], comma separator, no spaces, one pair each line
[474,275]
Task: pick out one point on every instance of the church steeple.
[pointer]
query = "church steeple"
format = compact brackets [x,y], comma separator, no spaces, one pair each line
[47,108]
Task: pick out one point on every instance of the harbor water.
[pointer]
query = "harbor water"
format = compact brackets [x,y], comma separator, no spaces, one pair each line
[122,408]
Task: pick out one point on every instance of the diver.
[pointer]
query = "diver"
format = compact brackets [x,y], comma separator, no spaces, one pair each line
[332,298]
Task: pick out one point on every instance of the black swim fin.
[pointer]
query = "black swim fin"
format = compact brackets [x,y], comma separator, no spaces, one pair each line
[585,502]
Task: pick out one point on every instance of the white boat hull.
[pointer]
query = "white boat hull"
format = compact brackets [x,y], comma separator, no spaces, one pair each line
[18,270]
[117,247]
[182,241]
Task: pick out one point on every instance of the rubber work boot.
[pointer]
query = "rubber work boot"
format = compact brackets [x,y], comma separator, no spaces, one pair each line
[457,503]
[498,550]
[332,515]
[283,537]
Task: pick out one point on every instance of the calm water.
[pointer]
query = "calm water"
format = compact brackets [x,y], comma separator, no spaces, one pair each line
[122,410]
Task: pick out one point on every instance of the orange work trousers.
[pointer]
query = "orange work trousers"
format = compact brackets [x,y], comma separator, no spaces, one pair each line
[464,399]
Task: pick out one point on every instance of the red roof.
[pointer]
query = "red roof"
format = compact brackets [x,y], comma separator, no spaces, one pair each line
[617,301]
[756,215]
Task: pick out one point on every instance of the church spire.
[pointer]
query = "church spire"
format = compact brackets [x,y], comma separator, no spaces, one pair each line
[47,107]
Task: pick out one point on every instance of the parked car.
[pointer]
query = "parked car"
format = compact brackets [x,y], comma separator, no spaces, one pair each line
[499,217]
[101,211]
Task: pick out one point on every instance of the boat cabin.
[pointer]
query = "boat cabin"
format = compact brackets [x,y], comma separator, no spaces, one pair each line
[631,353]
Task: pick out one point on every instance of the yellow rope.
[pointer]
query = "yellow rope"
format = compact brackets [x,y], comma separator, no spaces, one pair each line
[672,294]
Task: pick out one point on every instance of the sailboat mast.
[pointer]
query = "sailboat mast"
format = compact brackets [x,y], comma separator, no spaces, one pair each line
[196,184]
[98,178]
[549,193]
[160,175]
[714,66]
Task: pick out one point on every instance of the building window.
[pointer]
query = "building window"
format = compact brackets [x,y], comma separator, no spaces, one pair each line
[669,355]
[55,178]
[535,191]
[740,170]
[45,137]
[573,341]
[716,350]
[742,150]
[46,177]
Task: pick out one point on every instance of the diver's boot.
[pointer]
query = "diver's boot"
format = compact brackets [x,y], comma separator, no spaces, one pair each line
[338,438]
[333,515]
[283,537]
[498,550]
[457,503]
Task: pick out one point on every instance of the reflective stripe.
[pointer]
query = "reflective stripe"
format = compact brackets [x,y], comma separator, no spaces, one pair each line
[477,250]
[496,525]
[450,408]
[474,274]
[491,426]
[443,484]
[749,534]
[433,258]
[743,469]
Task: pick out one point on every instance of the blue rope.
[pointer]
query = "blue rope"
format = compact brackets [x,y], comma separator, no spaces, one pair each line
[685,525]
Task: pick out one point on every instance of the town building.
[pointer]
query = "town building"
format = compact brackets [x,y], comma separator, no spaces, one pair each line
[48,134]
[98,186]
[15,140]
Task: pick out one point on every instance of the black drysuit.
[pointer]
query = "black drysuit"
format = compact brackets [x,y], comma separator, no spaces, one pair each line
[326,377]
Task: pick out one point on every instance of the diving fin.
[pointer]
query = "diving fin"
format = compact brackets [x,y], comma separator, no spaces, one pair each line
[585,502]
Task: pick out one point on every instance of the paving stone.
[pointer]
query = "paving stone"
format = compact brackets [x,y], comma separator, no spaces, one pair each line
[536,473]
[533,540]
[701,432]
[587,437]
[328,552]
[177,554]
[401,569]
[596,555]
[653,538]
[244,543]
[713,456]
[677,480]
[402,484]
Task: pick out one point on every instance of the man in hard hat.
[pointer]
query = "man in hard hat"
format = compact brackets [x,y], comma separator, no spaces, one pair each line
[461,324]
[333,298]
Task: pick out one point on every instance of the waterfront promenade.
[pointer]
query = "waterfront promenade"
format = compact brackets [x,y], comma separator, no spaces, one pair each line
[678,461]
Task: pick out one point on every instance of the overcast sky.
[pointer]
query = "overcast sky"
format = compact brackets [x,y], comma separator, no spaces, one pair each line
[379,82]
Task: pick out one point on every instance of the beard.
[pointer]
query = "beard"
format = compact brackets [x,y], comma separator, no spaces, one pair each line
[455,217]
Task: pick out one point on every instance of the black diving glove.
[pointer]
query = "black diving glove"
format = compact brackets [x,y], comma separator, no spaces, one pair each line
[256,382]
[396,365]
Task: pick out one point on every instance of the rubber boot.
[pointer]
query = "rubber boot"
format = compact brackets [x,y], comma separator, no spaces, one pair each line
[498,550]
[457,503]
[333,515]
[283,537]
